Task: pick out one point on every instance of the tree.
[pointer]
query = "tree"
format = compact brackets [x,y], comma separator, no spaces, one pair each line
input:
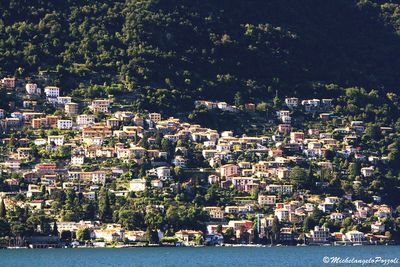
[262,107]
[66,235]
[373,132]
[219,229]
[238,99]
[276,229]
[55,229]
[299,177]
[229,235]
[152,236]
[83,234]
[4,227]
[131,219]
[2,209]
[104,205]
[308,224]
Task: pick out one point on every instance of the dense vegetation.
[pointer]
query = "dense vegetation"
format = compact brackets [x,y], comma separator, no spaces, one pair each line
[173,51]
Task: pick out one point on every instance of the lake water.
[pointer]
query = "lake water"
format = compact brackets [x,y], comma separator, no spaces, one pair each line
[202,256]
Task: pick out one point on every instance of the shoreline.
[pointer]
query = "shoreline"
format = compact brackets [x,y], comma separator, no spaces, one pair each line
[198,246]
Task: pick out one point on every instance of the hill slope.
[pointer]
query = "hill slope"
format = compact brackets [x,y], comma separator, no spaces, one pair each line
[178,51]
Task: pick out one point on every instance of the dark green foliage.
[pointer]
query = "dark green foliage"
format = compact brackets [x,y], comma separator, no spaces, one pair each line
[169,53]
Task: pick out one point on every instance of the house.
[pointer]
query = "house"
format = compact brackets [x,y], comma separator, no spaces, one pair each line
[9,82]
[336,216]
[282,214]
[135,236]
[282,113]
[250,107]
[325,207]
[283,173]
[326,102]
[52,91]
[367,171]
[163,173]
[179,161]
[331,200]
[246,184]
[57,140]
[311,105]
[286,235]
[64,124]
[24,152]
[112,232]
[378,227]
[296,136]
[283,189]
[71,108]
[33,190]
[319,235]
[241,227]
[112,122]
[354,236]
[189,237]
[100,105]
[77,160]
[291,102]
[97,130]
[32,89]
[155,117]
[266,199]
[62,100]
[229,170]
[215,212]
[137,185]
[98,177]
[284,128]
[85,119]
[324,116]
[156,183]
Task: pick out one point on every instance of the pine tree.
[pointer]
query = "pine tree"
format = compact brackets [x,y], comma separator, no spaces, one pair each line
[104,206]
[276,228]
[55,229]
[2,209]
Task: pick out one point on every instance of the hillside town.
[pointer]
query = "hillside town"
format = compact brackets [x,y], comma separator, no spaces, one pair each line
[94,172]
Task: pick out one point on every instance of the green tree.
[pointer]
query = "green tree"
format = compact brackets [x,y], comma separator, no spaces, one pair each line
[55,229]
[3,211]
[4,227]
[104,205]
[276,229]
[299,177]
[308,224]
[83,234]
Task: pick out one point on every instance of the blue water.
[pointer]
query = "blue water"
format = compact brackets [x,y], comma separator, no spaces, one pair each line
[204,256]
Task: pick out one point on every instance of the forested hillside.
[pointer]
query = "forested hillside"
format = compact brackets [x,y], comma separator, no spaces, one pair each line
[173,52]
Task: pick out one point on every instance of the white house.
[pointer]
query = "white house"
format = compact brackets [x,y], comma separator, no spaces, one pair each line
[85,119]
[32,89]
[77,160]
[137,185]
[58,140]
[52,91]
[62,100]
[291,102]
[64,124]
[367,171]
[354,236]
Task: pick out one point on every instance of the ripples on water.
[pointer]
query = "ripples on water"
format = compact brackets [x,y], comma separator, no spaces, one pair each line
[188,257]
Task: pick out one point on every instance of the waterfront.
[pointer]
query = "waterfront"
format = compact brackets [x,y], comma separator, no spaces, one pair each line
[202,256]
